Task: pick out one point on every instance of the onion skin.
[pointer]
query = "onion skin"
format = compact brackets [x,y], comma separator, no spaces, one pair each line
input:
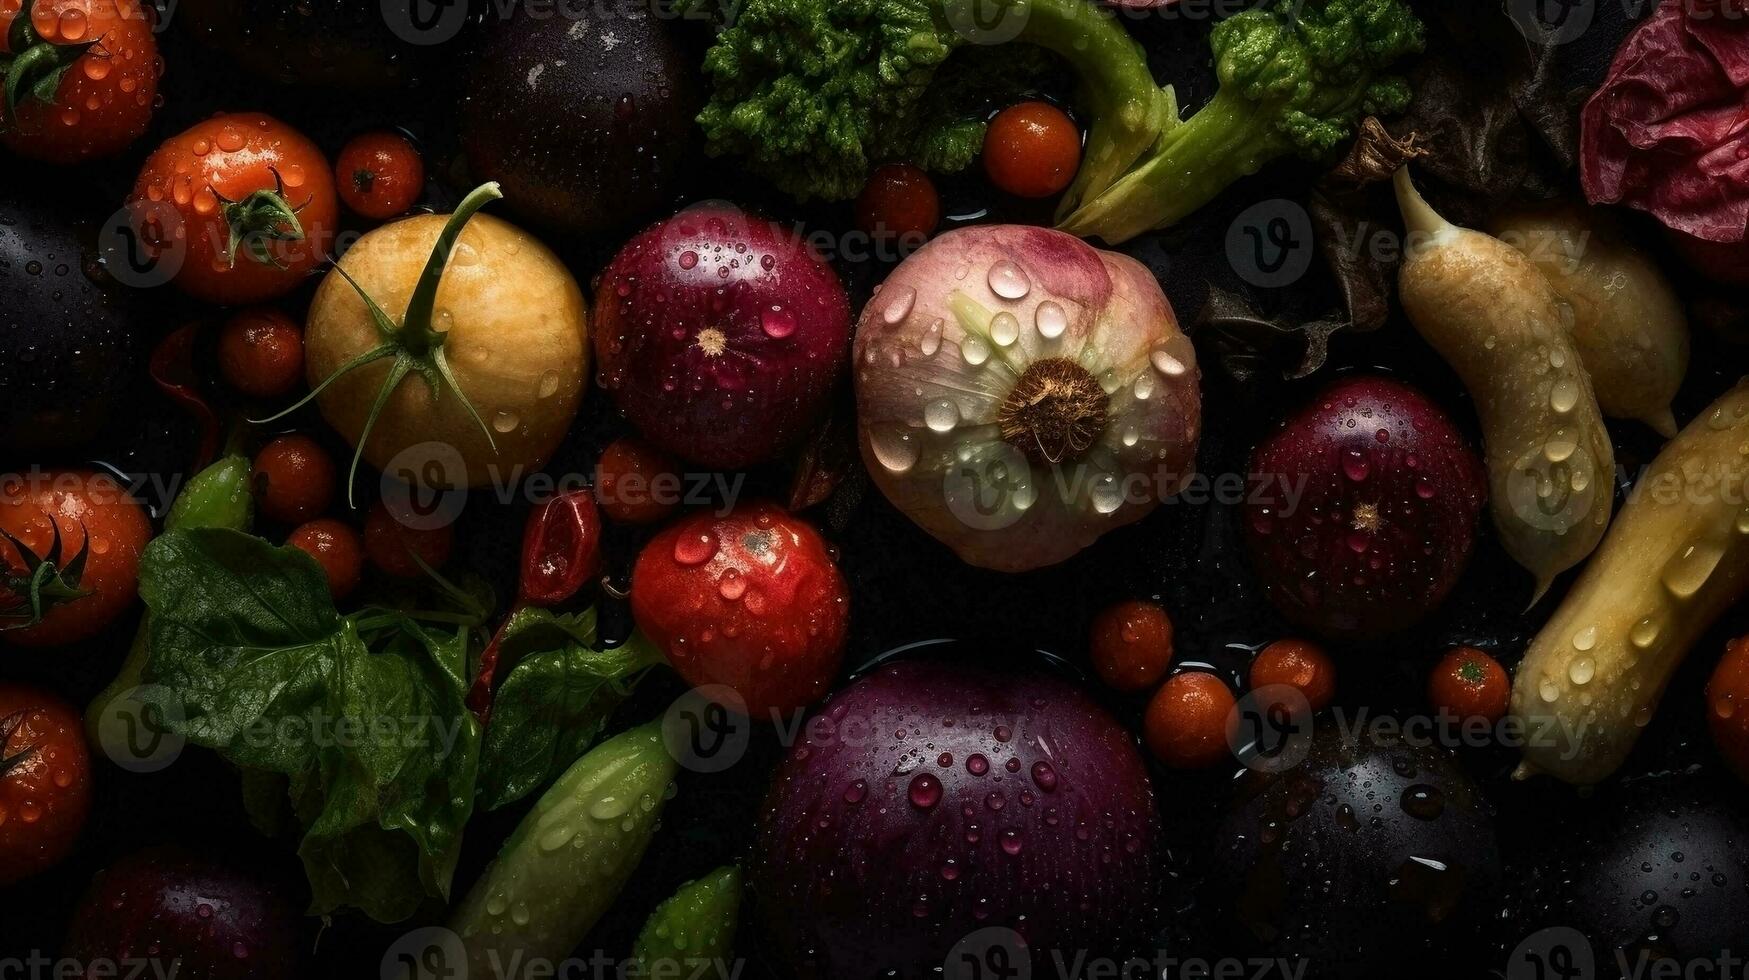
[1372,512]
[763,328]
[1042,818]
[934,315]
[518,344]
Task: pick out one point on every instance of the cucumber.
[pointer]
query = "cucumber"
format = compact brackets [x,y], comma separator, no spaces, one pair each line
[692,932]
[568,860]
[1676,558]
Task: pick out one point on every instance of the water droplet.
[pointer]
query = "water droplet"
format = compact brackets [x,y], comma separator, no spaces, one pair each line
[1689,570]
[1423,802]
[695,548]
[1050,319]
[1548,690]
[977,765]
[1008,280]
[549,384]
[505,422]
[1581,670]
[1644,633]
[899,306]
[777,322]
[941,415]
[1563,396]
[1355,465]
[1560,446]
[1585,638]
[931,340]
[975,350]
[688,259]
[925,791]
[894,447]
[1044,777]
[1004,328]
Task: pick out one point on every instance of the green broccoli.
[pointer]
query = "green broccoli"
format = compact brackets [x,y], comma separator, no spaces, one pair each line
[1295,78]
[813,93]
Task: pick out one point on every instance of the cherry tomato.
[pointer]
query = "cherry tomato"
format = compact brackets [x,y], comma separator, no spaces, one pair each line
[1032,149]
[1727,706]
[66,578]
[1132,645]
[88,76]
[392,544]
[261,353]
[1188,721]
[561,549]
[636,483]
[238,209]
[899,201]
[294,479]
[1298,664]
[751,600]
[45,780]
[380,175]
[1468,683]
[336,548]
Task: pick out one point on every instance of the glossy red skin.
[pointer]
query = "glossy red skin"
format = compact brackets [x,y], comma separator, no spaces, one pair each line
[751,600]
[45,795]
[845,859]
[561,548]
[85,506]
[106,99]
[214,921]
[336,548]
[232,156]
[391,544]
[1320,565]
[658,323]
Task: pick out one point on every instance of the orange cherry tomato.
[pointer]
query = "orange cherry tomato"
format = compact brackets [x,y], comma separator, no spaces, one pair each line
[1188,722]
[45,780]
[1727,706]
[70,600]
[294,479]
[238,209]
[261,353]
[393,544]
[1132,645]
[899,201]
[380,175]
[1298,664]
[636,483]
[97,62]
[336,548]
[1032,149]
[1467,683]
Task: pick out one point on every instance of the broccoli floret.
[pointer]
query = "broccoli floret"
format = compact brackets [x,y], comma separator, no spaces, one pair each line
[1295,78]
[812,93]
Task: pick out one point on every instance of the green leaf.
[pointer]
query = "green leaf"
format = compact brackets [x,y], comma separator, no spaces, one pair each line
[380,749]
[557,696]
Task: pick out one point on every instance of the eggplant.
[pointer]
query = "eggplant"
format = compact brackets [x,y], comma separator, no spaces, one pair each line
[329,43]
[586,123]
[68,347]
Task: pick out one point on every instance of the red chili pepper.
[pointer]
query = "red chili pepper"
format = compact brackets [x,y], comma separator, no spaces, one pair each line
[172,370]
[561,553]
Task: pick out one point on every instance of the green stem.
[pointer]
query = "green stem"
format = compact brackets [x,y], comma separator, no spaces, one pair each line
[417,334]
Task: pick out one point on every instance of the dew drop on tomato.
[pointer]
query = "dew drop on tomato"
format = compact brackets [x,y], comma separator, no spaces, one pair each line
[925,791]
[695,549]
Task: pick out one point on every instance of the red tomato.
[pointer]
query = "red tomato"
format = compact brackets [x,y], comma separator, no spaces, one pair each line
[899,201]
[336,548]
[1032,149]
[380,175]
[1188,721]
[93,80]
[392,544]
[1468,683]
[261,353]
[636,483]
[751,600]
[45,780]
[245,178]
[1727,702]
[1298,664]
[96,518]
[294,479]
[1132,645]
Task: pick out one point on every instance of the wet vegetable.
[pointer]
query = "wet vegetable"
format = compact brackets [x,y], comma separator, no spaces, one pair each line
[1020,393]
[1488,311]
[1628,325]
[1393,827]
[336,548]
[752,599]
[401,545]
[494,333]
[899,202]
[1675,559]
[1189,722]
[692,931]
[380,175]
[1131,645]
[261,353]
[1299,664]
[1032,149]
[721,335]
[636,483]
[70,544]
[69,348]
[294,479]
[1727,693]
[951,828]
[80,76]
[45,781]
[629,92]
[568,859]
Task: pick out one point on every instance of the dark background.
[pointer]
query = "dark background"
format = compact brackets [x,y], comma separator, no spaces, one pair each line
[905,587]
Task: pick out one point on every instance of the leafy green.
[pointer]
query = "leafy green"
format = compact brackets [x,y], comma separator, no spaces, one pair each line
[363,714]
[1295,77]
[555,700]
[813,93]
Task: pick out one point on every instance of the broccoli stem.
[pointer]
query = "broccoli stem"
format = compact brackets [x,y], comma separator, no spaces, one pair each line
[1229,138]
[1117,92]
